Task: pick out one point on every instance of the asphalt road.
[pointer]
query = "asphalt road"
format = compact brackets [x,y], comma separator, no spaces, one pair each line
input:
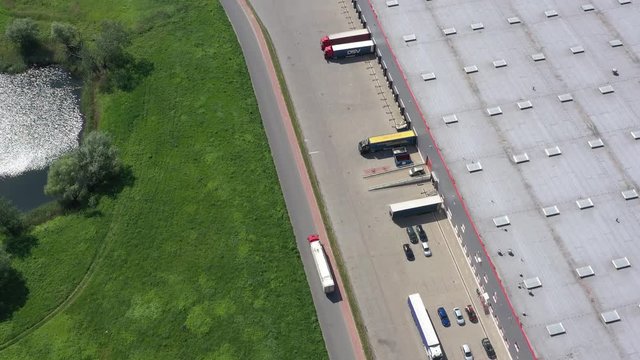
[334,316]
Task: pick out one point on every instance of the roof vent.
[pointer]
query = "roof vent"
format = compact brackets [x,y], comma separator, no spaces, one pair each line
[615,43]
[471,69]
[474,167]
[499,63]
[585,203]
[556,329]
[523,105]
[428,76]
[550,211]
[610,316]
[606,89]
[550,13]
[449,31]
[565,97]
[532,283]
[630,194]
[577,49]
[585,271]
[501,221]
[492,111]
[520,158]
[514,20]
[409,37]
[553,151]
[538,57]
[621,263]
[450,119]
[597,143]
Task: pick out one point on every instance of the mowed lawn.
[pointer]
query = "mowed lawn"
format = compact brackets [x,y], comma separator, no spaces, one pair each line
[197,259]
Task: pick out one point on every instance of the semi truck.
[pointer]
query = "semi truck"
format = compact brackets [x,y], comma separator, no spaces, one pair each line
[388,141]
[425,327]
[344,37]
[322,265]
[418,206]
[347,50]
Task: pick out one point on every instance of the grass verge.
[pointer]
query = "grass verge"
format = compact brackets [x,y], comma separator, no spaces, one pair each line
[197,259]
[362,330]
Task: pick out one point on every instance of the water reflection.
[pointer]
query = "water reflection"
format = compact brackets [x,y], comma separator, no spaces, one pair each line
[39,121]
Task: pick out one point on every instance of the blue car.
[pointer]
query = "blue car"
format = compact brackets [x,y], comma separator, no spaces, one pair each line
[443,317]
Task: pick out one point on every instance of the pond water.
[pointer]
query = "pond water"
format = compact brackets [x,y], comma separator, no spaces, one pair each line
[40,120]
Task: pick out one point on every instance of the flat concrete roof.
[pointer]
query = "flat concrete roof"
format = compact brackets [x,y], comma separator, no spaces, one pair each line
[557,91]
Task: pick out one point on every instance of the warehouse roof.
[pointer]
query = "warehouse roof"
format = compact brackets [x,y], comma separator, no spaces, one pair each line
[535,109]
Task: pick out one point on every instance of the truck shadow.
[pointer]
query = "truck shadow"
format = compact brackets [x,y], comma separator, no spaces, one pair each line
[336,295]
[355,59]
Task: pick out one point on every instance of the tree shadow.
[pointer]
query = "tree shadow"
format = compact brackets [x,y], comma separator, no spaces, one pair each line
[128,74]
[21,246]
[36,53]
[126,178]
[13,292]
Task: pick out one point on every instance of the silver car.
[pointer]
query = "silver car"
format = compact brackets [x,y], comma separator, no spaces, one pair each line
[425,249]
[466,351]
[458,314]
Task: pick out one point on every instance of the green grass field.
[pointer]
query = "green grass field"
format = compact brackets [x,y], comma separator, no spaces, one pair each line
[197,259]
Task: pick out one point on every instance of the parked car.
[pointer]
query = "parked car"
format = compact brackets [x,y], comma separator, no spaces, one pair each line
[408,252]
[466,351]
[443,317]
[488,348]
[458,314]
[471,314]
[421,234]
[425,249]
[412,235]
[416,171]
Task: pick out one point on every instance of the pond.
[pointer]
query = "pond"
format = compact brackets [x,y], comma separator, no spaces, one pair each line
[40,120]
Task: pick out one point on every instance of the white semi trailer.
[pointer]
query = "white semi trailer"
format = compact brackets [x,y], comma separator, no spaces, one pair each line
[322,265]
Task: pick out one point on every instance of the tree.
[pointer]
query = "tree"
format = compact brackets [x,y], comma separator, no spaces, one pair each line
[110,45]
[11,220]
[86,173]
[23,33]
[67,35]
[13,289]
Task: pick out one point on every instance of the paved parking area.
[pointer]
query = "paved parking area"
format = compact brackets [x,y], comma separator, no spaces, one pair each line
[338,105]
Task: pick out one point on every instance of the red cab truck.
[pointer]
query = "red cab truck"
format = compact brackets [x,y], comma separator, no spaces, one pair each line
[342,51]
[345,37]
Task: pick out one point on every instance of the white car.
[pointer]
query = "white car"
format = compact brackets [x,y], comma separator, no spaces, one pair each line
[425,248]
[466,351]
[458,314]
